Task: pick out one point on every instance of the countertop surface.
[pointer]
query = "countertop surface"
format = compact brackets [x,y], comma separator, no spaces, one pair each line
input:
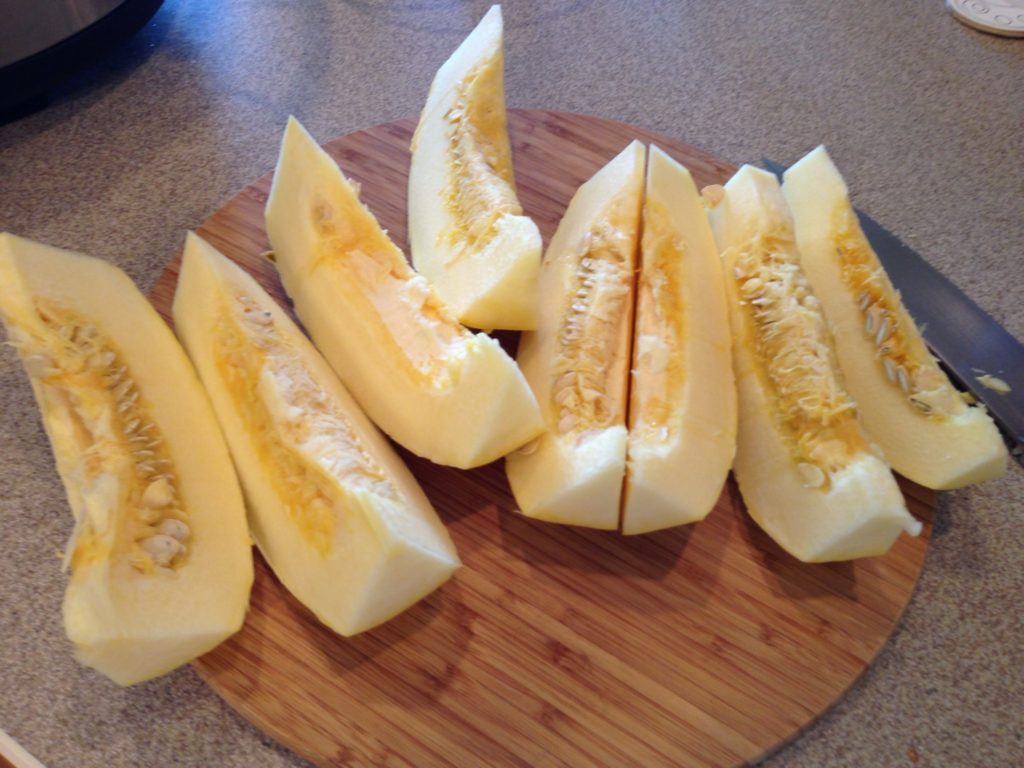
[923,115]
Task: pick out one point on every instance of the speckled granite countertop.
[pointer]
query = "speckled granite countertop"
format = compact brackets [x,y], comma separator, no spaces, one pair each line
[924,116]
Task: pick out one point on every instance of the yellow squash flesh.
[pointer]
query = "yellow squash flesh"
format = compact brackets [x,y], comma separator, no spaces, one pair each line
[160,558]
[808,473]
[577,361]
[467,231]
[337,514]
[908,405]
[682,413]
[444,393]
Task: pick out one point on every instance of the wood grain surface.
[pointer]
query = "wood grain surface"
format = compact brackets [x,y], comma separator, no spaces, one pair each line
[556,646]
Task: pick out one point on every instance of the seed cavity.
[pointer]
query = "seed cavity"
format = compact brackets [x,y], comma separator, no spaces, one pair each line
[481,189]
[309,450]
[903,356]
[592,330]
[791,341]
[84,379]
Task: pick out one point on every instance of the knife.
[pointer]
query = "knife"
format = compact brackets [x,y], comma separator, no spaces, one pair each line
[960,334]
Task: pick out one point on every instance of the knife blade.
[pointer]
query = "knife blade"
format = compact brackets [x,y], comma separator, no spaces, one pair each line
[960,334]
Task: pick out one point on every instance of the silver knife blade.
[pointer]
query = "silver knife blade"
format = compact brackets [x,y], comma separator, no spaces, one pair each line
[962,335]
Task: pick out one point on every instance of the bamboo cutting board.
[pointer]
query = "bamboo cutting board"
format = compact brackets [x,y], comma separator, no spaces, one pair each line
[556,646]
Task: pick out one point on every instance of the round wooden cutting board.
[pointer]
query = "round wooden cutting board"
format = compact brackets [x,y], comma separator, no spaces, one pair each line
[556,646]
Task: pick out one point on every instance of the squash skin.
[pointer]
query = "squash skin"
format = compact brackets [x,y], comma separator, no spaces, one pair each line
[480,411]
[943,454]
[569,478]
[384,554]
[128,625]
[488,282]
[676,479]
[861,512]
